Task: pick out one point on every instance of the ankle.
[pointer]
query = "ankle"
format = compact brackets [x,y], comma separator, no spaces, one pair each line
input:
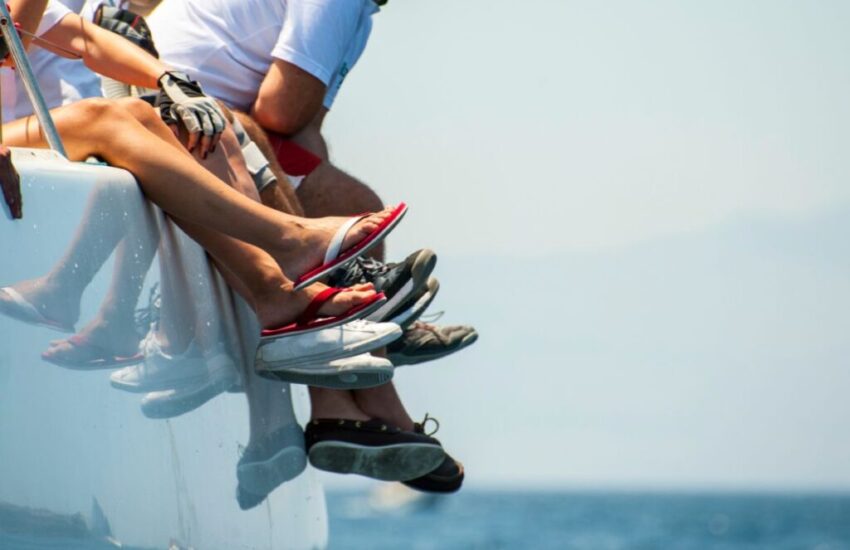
[334,404]
[280,306]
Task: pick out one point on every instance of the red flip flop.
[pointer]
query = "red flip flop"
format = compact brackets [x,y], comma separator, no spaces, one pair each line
[334,258]
[103,358]
[310,319]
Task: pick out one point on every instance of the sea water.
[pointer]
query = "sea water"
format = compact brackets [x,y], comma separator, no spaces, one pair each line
[595,521]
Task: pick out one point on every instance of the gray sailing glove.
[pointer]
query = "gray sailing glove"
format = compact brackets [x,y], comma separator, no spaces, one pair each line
[182,99]
[131,26]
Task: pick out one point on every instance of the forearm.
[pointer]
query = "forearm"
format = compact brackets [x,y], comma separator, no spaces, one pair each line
[27,13]
[104,52]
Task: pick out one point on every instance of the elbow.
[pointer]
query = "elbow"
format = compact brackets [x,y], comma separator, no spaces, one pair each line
[280,121]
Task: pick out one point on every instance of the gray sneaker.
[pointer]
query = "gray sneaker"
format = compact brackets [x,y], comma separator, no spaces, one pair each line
[276,459]
[425,342]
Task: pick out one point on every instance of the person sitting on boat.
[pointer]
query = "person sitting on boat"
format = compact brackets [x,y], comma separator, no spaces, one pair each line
[286,73]
[232,228]
[284,64]
[384,400]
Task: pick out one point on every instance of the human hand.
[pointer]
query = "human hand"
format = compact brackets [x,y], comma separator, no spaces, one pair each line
[182,100]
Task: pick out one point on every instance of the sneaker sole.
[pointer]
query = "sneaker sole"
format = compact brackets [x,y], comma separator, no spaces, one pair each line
[261,478]
[163,385]
[400,462]
[331,378]
[400,360]
[364,346]
[410,314]
[173,407]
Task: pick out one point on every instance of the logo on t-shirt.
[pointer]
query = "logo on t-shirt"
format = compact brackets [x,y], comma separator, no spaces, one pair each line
[343,71]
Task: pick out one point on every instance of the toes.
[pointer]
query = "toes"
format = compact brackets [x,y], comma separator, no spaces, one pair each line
[363,286]
[57,347]
[358,296]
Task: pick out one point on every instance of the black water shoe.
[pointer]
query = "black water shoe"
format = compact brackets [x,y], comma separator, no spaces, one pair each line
[371,448]
[445,478]
[402,282]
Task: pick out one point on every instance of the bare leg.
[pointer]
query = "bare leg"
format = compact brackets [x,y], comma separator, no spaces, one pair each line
[328,191]
[109,216]
[335,404]
[180,186]
[321,194]
[384,402]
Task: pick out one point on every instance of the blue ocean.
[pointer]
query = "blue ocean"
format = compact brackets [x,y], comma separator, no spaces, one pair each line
[595,521]
[494,520]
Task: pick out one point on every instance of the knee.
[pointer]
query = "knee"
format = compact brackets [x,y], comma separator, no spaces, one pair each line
[97,109]
[103,111]
[139,109]
[97,120]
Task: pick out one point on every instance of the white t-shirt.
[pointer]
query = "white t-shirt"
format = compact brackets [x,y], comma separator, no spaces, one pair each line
[228,45]
[61,80]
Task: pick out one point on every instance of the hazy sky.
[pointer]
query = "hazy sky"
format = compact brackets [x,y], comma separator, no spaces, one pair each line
[550,125]
[643,206]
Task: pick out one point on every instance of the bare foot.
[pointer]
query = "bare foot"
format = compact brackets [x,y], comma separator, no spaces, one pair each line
[55,302]
[114,339]
[287,305]
[307,250]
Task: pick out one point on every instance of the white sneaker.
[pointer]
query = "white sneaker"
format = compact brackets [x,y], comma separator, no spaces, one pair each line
[360,371]
[221,376]
[160,370]
[323,346]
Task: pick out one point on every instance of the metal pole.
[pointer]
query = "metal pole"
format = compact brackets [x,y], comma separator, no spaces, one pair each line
[22,63]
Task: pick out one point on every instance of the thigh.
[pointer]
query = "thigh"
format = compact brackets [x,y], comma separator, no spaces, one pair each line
[79,126]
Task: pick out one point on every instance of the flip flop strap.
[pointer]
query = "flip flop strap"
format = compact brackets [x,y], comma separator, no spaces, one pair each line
[335,246]
[312,311]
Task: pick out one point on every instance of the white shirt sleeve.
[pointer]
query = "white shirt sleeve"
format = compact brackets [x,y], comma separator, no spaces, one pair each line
[316,34]
[54,13]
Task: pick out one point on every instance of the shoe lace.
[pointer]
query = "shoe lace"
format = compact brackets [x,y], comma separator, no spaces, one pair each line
[371,265]
[424,424]
[147,317]
[431,317]
[421,333]
[361,270]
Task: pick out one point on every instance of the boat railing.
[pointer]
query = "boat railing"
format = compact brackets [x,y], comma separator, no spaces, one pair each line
[19,55]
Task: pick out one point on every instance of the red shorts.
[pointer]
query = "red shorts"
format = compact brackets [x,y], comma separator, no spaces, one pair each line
[294,159]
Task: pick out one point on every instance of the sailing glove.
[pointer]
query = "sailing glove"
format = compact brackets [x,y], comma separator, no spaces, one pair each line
[125,23]
[181,99]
